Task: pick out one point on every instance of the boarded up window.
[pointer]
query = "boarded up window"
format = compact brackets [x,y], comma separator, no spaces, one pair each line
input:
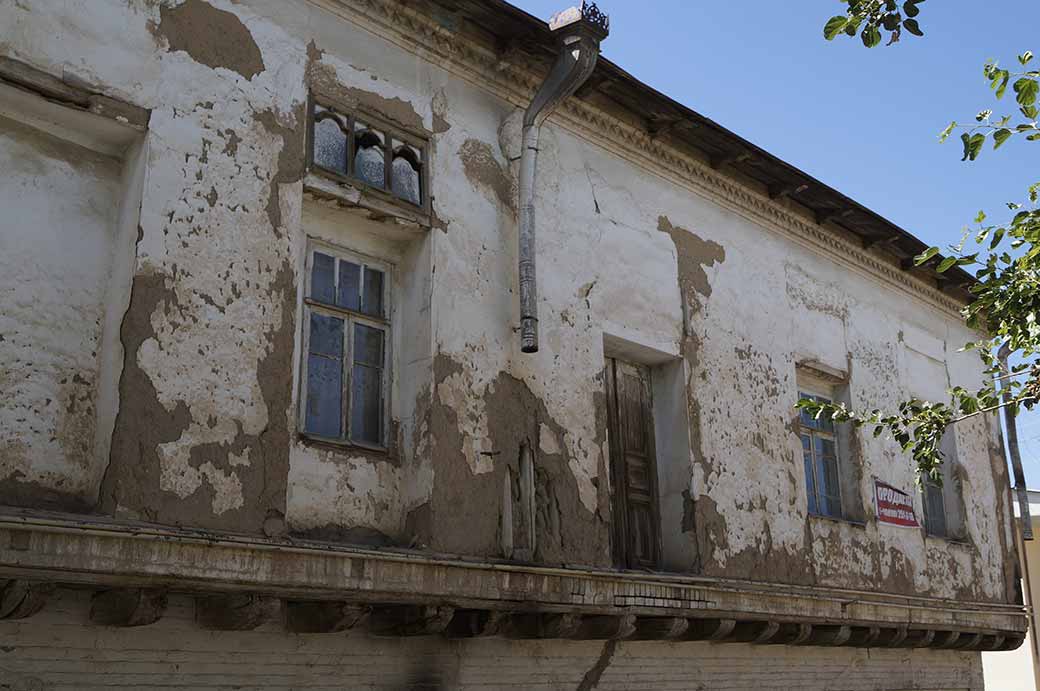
[633,465]
[344,378]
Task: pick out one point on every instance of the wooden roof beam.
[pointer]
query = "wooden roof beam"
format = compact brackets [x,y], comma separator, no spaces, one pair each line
[831,214]
[881,240]
[780,191]
[717,162]
[658,127]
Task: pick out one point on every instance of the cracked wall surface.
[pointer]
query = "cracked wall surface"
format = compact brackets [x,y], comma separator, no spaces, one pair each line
[207,432]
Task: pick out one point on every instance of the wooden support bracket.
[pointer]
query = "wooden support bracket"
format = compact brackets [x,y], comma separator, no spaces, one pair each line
[323,617]
[411,620]
[22,599]
[127,606]
[234,612]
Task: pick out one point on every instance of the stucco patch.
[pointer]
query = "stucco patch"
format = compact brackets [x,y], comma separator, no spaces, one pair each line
[325,83]
[291,159]
[485,172]
[212,37]
[694,255]
[143,423]
[464,507]
[439,106]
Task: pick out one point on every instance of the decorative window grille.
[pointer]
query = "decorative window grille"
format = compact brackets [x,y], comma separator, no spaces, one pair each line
[360,149]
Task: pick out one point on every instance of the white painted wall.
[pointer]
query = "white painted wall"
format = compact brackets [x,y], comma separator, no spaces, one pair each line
[605,271]
[60,230]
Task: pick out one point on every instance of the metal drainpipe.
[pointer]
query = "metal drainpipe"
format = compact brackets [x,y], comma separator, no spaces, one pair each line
[580,32]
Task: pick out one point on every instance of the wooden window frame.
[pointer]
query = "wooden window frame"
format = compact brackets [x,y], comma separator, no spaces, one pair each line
[350,318]
[948,492]
[812,386]
[389,132]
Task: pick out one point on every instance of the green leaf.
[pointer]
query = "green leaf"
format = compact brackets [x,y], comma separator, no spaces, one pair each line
[980,217]
[1025,57]
[911,9]
[972,145]
[946,264]
[945,134]
[890,22]
[871,36]
[999,81]
[1030,112]
[834,26]
[913,27]
[925,256]
[1000,136]
[997,237]
[1026,90]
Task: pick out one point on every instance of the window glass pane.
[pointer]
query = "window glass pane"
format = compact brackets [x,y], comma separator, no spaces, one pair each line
[404,173]
[349,285]
[323,279]
[369,161]
[830,505]
[825,448]
[326,336]
[830,493]
[366,419]
[373,298]
[934,509]
[368,345]
[807,419]
[825,424]
[810,484]
[324,396]
[330,143]
[325,377]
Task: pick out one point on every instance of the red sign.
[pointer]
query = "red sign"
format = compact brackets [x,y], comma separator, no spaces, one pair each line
[894,506]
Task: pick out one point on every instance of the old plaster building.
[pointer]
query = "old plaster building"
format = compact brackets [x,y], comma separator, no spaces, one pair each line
[287,402]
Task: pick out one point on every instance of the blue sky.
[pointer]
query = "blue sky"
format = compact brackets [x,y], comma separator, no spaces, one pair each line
[863,121]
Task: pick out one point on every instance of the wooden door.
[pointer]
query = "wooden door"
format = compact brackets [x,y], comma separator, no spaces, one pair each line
[636,529]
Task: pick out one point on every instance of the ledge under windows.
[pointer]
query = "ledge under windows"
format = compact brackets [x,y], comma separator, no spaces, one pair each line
[344,193]
[239,581]
[838,519]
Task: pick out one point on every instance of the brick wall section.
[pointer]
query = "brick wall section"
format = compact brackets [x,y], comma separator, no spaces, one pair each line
[58,649]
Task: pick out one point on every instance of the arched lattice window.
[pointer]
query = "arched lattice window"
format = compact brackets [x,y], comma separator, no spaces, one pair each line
[362,149]
[330,141]
[370,159]
[406,174]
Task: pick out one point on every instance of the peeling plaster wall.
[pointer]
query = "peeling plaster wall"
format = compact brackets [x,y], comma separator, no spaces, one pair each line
[55,259]
[207,430]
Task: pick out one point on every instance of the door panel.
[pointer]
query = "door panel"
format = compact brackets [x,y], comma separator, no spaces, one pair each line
[636,531]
